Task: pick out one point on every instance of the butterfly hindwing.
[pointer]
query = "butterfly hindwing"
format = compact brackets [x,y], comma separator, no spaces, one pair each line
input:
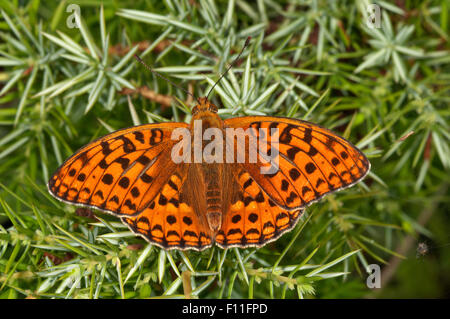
[253,219]
[169,221]
[312,162]
[119,173]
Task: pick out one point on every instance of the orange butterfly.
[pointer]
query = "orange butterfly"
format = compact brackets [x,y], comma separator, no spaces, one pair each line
[192,205]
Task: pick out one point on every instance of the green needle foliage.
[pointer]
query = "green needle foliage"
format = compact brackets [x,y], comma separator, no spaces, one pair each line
[385,89]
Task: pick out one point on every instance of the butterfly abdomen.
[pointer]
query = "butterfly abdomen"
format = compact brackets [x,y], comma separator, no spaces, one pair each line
[213,197]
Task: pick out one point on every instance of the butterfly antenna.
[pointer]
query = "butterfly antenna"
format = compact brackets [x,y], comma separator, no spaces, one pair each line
[231,65]
[163,77]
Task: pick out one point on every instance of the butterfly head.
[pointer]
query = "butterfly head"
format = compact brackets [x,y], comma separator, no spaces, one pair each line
[204,106]
[206,112]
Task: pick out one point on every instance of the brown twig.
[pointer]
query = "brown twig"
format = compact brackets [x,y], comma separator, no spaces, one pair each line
[136,246]
[406,136]
[164,100]
[187,288]
[340,25]
[58,260]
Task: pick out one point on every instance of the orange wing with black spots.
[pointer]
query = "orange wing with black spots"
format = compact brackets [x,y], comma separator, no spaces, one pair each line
[120,173]
[253,219]
[312,161]
[169,221]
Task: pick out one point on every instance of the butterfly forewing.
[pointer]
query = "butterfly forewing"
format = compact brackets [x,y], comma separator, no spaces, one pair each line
[313,161]
[119,173]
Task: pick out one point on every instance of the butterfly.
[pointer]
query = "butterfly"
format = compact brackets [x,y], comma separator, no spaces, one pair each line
[226,198]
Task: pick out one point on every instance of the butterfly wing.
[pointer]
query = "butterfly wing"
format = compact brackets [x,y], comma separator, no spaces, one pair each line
[120,173]
[313,161]
[170,221]
[253,219]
